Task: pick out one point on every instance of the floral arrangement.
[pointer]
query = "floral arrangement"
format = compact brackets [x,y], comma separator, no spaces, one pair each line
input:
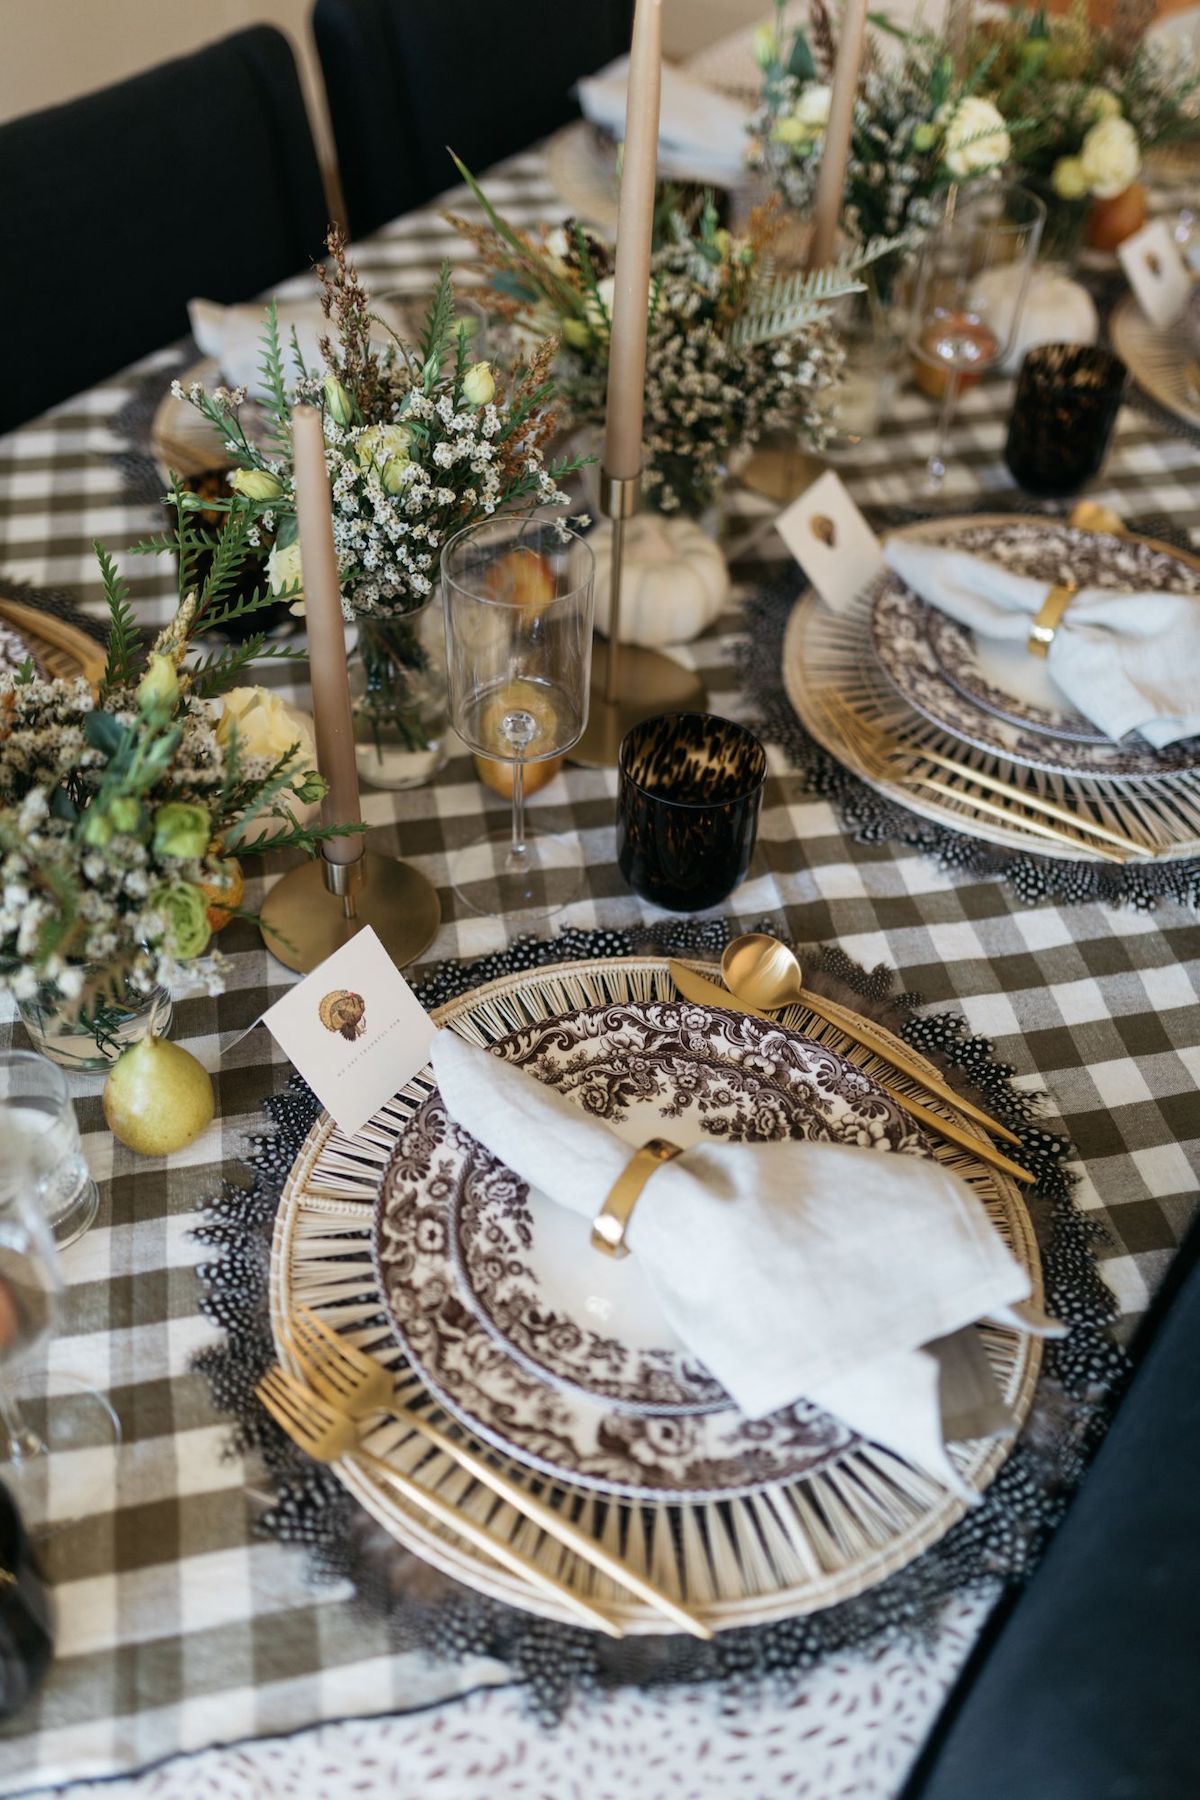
[419,442]
[917,129]
[733,350]
[1097,100]
[122,812]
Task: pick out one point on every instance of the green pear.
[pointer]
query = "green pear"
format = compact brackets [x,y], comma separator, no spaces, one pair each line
[157,1097]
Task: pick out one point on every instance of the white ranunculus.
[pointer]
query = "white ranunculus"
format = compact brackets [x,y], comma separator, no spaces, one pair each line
[284,572]
[976,138]
[1110,157]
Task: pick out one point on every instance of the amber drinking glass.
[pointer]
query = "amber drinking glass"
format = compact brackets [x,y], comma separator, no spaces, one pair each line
[689,788]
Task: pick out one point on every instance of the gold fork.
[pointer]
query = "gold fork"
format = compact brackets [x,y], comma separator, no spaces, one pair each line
[328,1436]
[356,1386]
[878,748]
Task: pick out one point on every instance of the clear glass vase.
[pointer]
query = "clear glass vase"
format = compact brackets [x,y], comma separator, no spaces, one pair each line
[870,325]
[398,690]
[89,1041]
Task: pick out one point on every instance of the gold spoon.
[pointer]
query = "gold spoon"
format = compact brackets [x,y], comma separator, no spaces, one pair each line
[765,973]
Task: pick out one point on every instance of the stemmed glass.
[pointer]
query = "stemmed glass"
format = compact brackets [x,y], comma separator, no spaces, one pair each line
[45,1450]
[518,598]
[968,292]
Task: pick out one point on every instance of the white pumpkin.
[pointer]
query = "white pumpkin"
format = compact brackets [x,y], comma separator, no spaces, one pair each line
[674,579]
[1056,310]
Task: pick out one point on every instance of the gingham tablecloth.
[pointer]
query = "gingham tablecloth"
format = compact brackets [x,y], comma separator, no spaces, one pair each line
[177,1630]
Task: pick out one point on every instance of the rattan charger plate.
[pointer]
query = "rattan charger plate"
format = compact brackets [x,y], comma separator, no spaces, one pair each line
[830,653]
[62,649]
[1161,361]
[785,1550]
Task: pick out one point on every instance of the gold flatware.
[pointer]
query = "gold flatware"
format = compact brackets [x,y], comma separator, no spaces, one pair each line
[355,1385]
[765,972]
[708,993]
[328,1436]
[878,749]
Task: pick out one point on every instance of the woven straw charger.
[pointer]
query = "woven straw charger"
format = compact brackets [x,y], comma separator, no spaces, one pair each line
[787,1549]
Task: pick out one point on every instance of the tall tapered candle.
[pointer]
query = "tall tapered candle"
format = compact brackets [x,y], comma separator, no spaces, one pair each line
[326,636]
[635,226]
[835,152]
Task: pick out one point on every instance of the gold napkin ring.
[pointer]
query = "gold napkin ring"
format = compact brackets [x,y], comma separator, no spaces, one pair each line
[1041,632]
[612,1221]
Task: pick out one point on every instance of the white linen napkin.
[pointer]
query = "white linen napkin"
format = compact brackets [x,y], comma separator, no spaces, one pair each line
[232,336]
[1129,662]
[814,1271]
[701,134]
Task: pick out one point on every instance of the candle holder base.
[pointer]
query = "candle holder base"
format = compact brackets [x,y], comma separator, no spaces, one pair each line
[302,922]
[650,683]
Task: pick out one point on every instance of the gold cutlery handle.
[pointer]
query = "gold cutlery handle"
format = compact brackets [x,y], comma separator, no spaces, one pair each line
[553,1522]
[1036,802]
[1038,829]
[455,1520]
[864,1033]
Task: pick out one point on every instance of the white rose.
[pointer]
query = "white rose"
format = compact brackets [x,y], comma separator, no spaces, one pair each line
[812,108]
[976,138]
[479,385]
[1100,103]
[387,447]
[1110,157]
[284,572]
[556,245]
[264,726]
[1068,178]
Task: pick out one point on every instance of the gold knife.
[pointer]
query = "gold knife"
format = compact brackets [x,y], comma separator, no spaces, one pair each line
[707,993]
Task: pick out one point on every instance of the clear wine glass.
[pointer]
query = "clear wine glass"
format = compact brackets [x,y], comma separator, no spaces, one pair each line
[969,288]
[518,598]
[53,1446]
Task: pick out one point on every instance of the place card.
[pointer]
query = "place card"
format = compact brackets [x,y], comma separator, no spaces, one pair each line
[1157,272]
[354,1029]
[831,541]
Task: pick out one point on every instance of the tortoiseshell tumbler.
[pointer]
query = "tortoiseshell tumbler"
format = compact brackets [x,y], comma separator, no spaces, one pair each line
[688,797]
[1067,400]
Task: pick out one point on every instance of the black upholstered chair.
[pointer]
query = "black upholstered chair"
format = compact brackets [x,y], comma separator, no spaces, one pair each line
[407,77]
[197,177]
[1088,1689]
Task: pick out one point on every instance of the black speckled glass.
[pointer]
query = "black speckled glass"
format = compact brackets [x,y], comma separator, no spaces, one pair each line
[689,788]
[1066,404]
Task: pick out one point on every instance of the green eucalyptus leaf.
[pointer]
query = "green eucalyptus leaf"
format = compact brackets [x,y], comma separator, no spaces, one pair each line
[105,733]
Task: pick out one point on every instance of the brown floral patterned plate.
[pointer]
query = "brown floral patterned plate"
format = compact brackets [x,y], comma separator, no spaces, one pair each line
[581,1377]
[995,697]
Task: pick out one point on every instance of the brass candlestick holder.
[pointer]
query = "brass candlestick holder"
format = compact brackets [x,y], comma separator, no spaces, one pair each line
[318,907]
[632,684]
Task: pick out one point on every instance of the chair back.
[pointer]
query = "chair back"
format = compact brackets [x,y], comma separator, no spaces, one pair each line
[197,177]
[405,79]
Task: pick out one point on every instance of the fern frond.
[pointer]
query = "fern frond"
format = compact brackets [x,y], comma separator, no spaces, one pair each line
[124,648]
[214,674]
[270,365]
[784,305]
[301,837]
[439,321]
